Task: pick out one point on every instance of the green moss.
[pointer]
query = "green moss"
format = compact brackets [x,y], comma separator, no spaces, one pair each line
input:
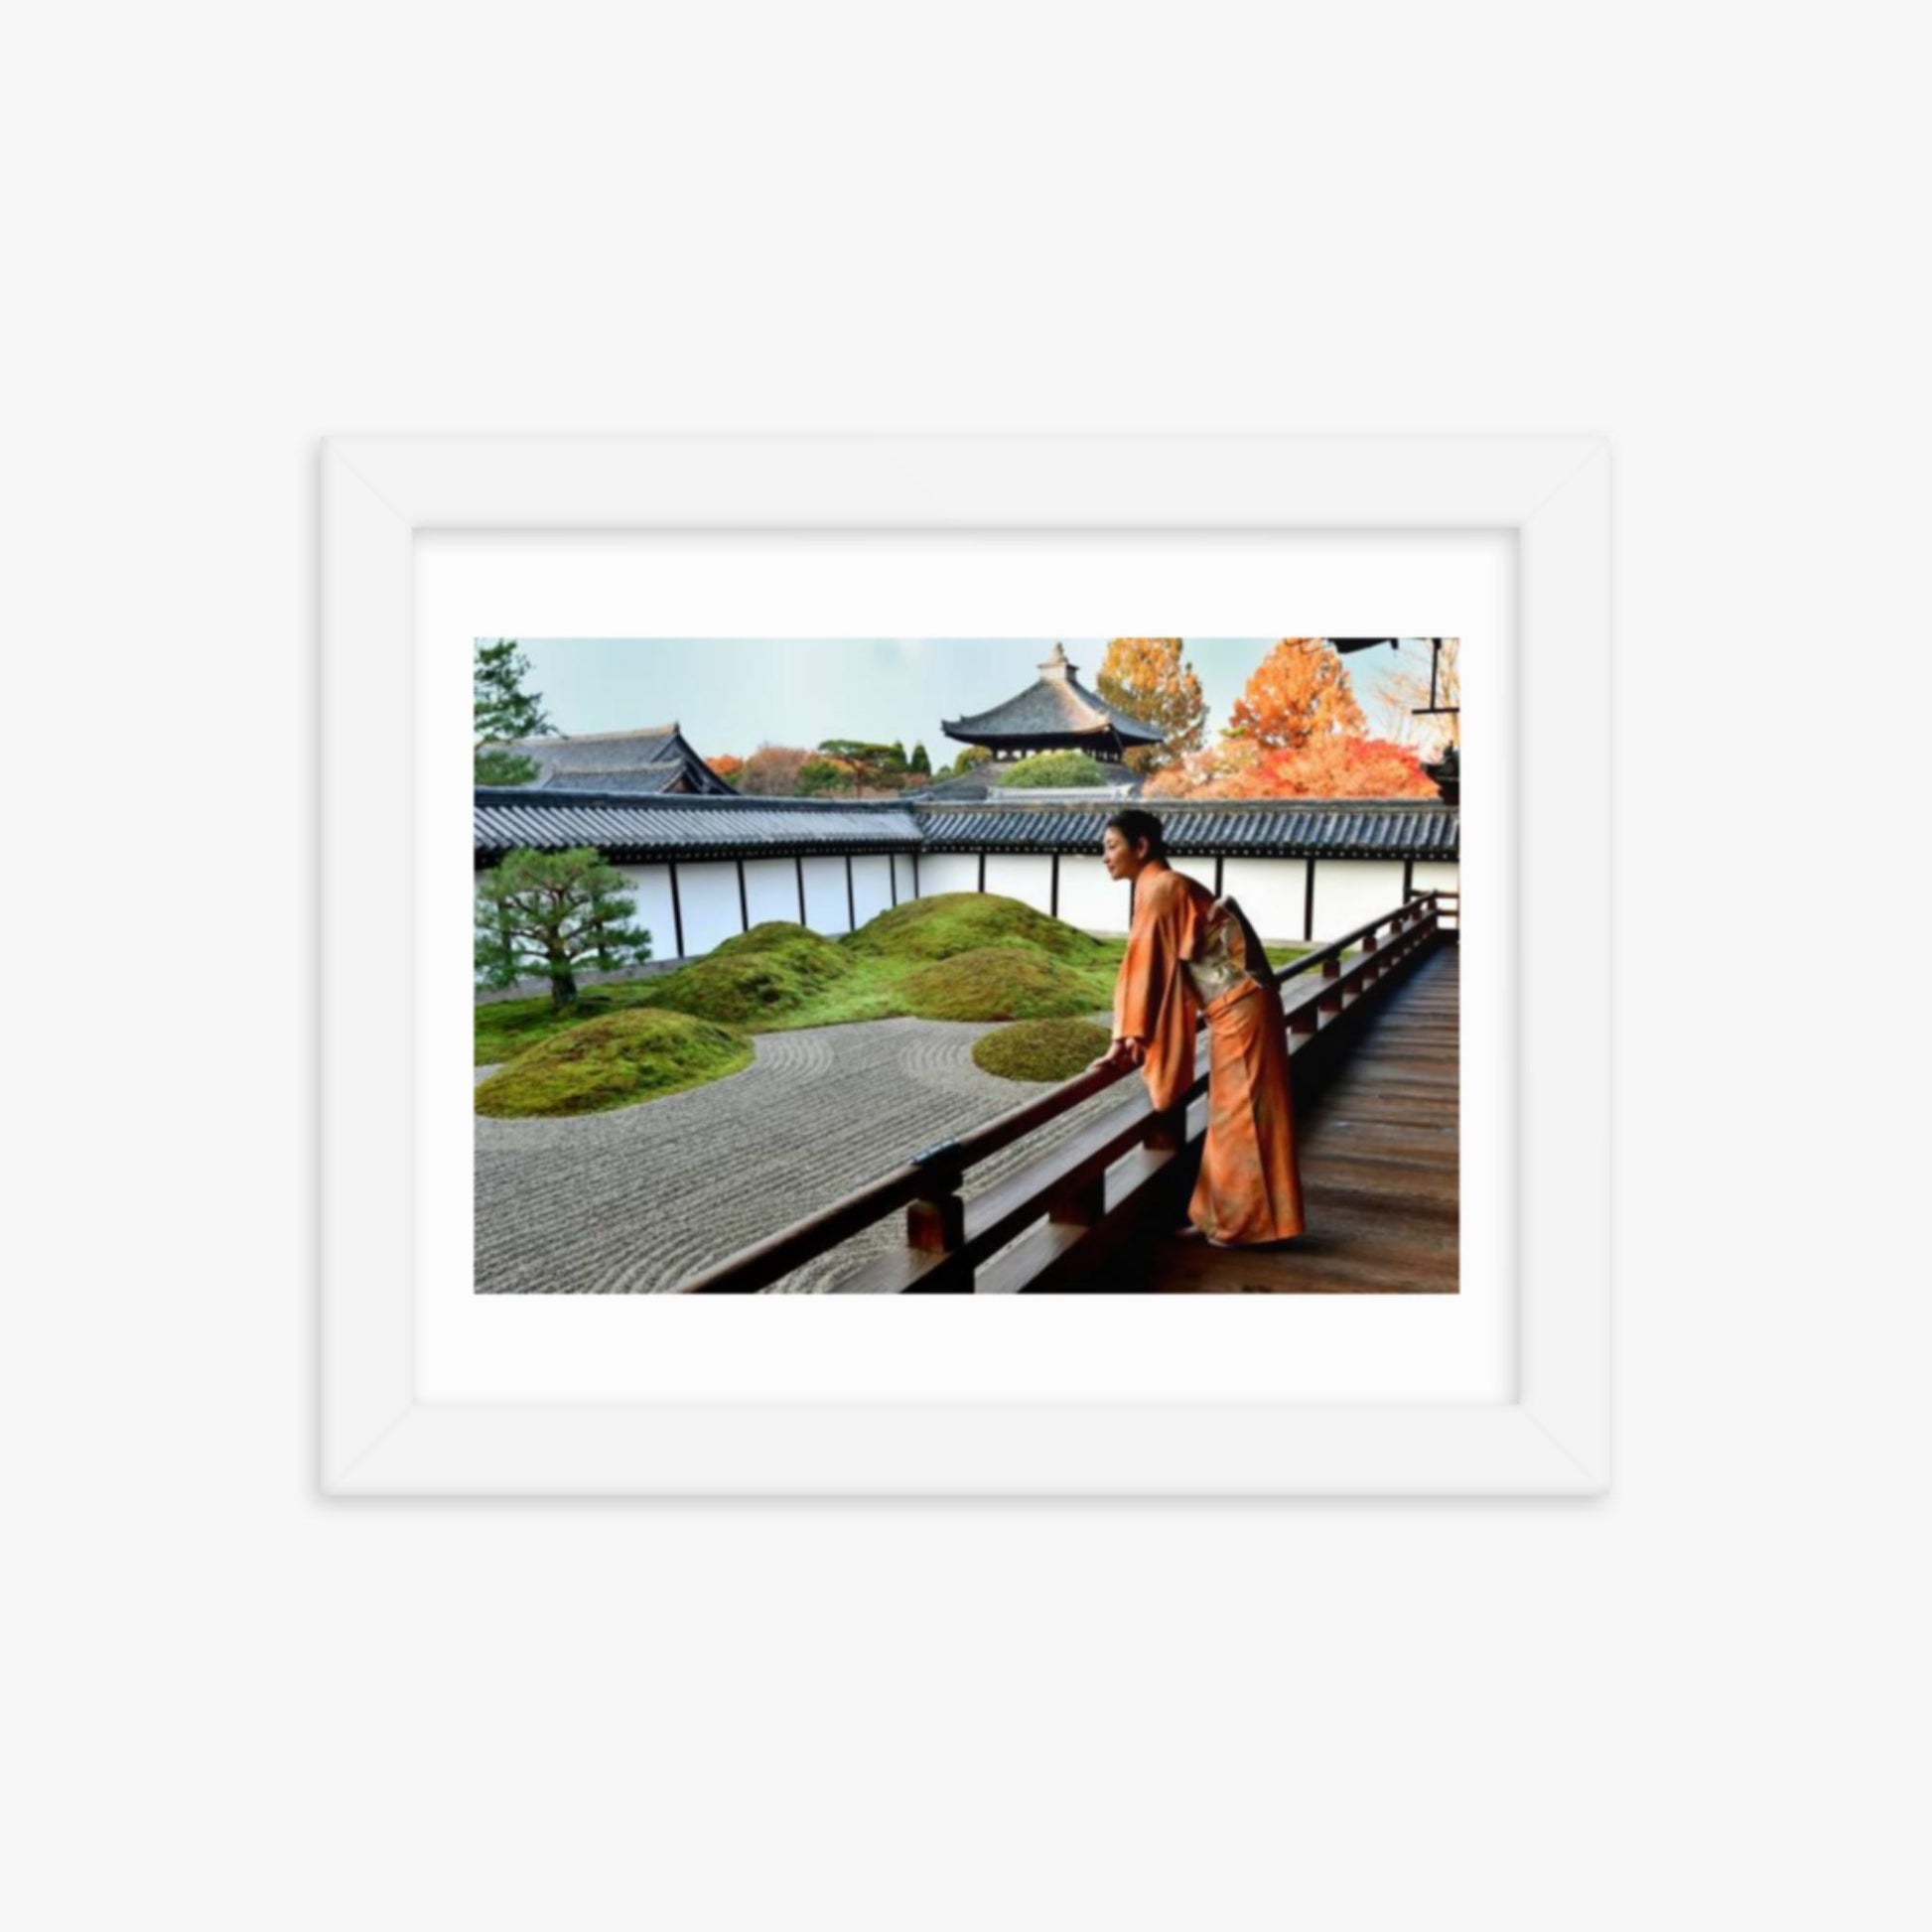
[616,1061]
[734,990]
[950,923]
[806,952]
[1013,982]
[1041,1049]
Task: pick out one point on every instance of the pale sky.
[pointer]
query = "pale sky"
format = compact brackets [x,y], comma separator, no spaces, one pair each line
[734,694]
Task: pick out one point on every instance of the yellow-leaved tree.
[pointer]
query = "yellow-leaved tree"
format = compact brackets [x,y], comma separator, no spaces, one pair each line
[1146,678]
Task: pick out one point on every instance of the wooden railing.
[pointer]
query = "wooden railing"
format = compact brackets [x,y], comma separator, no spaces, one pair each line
[1070,1192]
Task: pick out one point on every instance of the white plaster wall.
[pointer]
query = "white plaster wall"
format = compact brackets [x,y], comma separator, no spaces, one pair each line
[1351,891]
[948,871]
[872,886]
[826,904]
[1201,870]
[771,889]
[1023,875]
[707,894]
[1273,893]
[650,887]
[1089,899]
[1430,874]
[903,886]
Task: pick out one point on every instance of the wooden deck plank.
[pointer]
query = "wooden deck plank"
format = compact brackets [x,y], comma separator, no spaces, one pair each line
[1380,1168]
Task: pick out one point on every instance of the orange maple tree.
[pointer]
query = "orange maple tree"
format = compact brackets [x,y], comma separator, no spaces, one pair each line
[1333,767]
[1298,692]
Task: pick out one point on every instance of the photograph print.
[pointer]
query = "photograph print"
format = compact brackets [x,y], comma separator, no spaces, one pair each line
[877,966]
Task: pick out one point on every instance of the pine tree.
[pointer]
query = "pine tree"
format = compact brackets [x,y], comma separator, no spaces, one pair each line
[505,710]
[1146,678]
[922,762]
[547,914]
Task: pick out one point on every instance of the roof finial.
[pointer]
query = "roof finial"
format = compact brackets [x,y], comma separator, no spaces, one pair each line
[1058,665]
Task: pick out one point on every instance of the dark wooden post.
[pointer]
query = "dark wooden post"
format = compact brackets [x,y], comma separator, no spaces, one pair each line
[935,1223]
[799,862]
[744,903]
[851,902]
[1055,903]
[677,911]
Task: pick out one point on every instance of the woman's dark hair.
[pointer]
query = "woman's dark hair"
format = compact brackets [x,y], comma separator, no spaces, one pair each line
[1135,825]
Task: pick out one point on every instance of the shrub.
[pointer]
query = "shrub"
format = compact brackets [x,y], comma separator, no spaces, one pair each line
[1041,1049]
[1056,769]
[616,1061]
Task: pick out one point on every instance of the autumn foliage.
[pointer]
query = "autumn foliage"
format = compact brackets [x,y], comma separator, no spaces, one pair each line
[1146,678]
[1298,692]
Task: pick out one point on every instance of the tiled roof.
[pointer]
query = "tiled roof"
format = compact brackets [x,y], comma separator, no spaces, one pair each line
[635,761]
[625,826]
[650,779]
[1058,706]
[1353,828]
[628,827]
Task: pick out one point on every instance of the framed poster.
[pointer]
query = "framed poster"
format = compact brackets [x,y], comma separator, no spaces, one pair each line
[497,1258]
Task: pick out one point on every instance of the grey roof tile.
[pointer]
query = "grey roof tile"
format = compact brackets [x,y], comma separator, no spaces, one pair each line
[628,826]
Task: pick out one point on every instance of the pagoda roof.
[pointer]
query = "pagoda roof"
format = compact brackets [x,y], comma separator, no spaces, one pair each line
[1057,707]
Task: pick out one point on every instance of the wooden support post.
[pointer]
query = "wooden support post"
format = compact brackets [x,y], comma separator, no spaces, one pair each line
[677,911]
[936,1225]
[1084,1206]
[1055,903]
[744,903]
[850,901]
[799,862]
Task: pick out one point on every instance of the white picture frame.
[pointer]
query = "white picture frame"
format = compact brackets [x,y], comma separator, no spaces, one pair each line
[1550,494]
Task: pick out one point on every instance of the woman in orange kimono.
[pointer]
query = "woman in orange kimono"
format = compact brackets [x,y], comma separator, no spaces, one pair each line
[1249,1190]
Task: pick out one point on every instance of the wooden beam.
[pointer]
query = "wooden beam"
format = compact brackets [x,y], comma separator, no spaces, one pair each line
[1054,901]
[1307,904]
[798,860]
[744,902]
[851,904]
[677,911]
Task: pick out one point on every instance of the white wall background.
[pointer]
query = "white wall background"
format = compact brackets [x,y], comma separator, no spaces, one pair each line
[708,898]
[871,884]
[772,890]
[230,1705]
[1026,877]
[828,904]
[948,871]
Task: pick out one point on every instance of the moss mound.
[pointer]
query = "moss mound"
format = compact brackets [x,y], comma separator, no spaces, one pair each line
[611,1063]
[998,983]
[1041,1049]
[803,951]
[951,923]
[735,990]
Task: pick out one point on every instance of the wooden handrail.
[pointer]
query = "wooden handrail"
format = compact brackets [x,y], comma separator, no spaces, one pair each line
[945,1236]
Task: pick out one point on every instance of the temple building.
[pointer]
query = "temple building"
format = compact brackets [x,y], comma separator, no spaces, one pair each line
[1057,714]
[656,759]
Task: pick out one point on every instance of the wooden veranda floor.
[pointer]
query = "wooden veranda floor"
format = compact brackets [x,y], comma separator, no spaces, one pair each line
[1379,1167]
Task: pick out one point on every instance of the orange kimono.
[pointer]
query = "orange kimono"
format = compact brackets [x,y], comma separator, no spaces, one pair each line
[1249,1189]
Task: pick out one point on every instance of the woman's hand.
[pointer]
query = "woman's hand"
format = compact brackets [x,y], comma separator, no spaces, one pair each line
[1123,1052]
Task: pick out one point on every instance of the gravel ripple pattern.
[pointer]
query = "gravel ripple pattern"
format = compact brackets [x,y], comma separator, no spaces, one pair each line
[636,1201]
